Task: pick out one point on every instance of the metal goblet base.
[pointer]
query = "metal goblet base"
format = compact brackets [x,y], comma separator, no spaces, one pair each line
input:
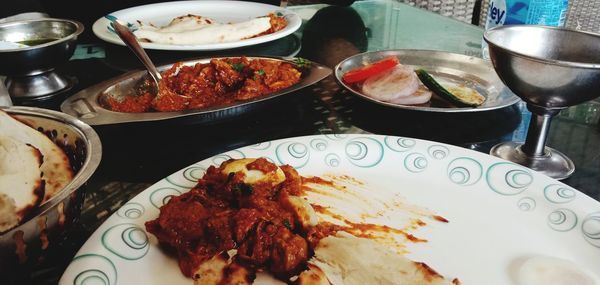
[553,163]
[39,86]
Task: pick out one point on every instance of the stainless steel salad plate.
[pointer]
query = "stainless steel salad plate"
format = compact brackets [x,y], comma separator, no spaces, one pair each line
[449,67]
[85,104]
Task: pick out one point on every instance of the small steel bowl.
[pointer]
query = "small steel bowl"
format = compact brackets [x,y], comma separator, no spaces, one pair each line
[38,58]
[25,245]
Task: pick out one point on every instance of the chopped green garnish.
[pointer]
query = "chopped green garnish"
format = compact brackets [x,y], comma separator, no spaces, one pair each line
[247,189]
[239,67]
[242,189]
[301,62]
[287,224]
[258,72]
[230,175]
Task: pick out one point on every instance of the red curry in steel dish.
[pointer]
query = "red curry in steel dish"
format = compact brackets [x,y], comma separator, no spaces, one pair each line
[219,82]
[222,213]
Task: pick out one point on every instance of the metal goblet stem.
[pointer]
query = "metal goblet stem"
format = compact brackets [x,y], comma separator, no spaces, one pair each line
[539,126]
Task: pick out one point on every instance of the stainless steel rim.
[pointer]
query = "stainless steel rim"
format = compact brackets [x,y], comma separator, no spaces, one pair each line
[79,29]
[486,37]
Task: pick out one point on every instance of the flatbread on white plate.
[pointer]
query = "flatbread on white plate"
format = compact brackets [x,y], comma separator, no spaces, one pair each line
[197,30]
[56,168]
[347,260]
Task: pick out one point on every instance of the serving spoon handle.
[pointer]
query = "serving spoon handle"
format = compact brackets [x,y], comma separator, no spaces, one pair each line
[131,41]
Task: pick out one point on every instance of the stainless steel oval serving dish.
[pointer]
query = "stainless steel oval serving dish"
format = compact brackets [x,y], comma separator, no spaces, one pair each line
[457,68]
[27,244]
[85,104]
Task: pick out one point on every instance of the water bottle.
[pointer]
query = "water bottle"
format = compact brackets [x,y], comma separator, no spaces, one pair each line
[524,12]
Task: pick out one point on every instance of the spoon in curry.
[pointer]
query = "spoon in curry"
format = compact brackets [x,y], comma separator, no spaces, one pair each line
[131,41]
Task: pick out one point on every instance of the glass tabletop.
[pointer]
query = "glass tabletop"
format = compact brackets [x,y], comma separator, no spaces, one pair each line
[137,155]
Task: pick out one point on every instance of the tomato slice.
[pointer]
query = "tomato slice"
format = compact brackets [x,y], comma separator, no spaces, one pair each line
[362,73]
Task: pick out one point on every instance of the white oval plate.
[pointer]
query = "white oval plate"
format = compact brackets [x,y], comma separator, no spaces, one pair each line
[161,14]
[500,214]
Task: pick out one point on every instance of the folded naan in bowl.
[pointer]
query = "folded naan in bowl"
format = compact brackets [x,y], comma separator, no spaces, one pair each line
[21,184]
[56,168]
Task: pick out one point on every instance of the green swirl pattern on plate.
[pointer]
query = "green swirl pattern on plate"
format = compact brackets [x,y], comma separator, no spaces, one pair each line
[128,241]
[261,146]
[318,144]
[508,179]
[332,160]
[233,154]
[364,151]
[399,144]
[189,178]
[415,162]
[438,151]
[336,137]
[526,204]
[295,154]
[193,174]
[559,194]
[464,171]
[161,196]
[562,220]
[591,229]
[91,269]
[131,210]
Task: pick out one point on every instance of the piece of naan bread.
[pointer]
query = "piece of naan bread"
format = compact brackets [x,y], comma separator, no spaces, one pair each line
[348,260]
[56,168]
[8,213]
[222,269]
[21,184]
[313,276]
[198,30]
[181,24]
[253,176]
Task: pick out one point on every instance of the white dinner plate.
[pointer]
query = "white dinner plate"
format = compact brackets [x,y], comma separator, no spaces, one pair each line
[503,218]
[161,14]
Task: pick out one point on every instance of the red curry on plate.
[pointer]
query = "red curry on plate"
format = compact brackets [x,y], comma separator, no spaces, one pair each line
[222,212]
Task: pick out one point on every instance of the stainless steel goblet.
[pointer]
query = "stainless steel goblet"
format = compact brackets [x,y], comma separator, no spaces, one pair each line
[550,69]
